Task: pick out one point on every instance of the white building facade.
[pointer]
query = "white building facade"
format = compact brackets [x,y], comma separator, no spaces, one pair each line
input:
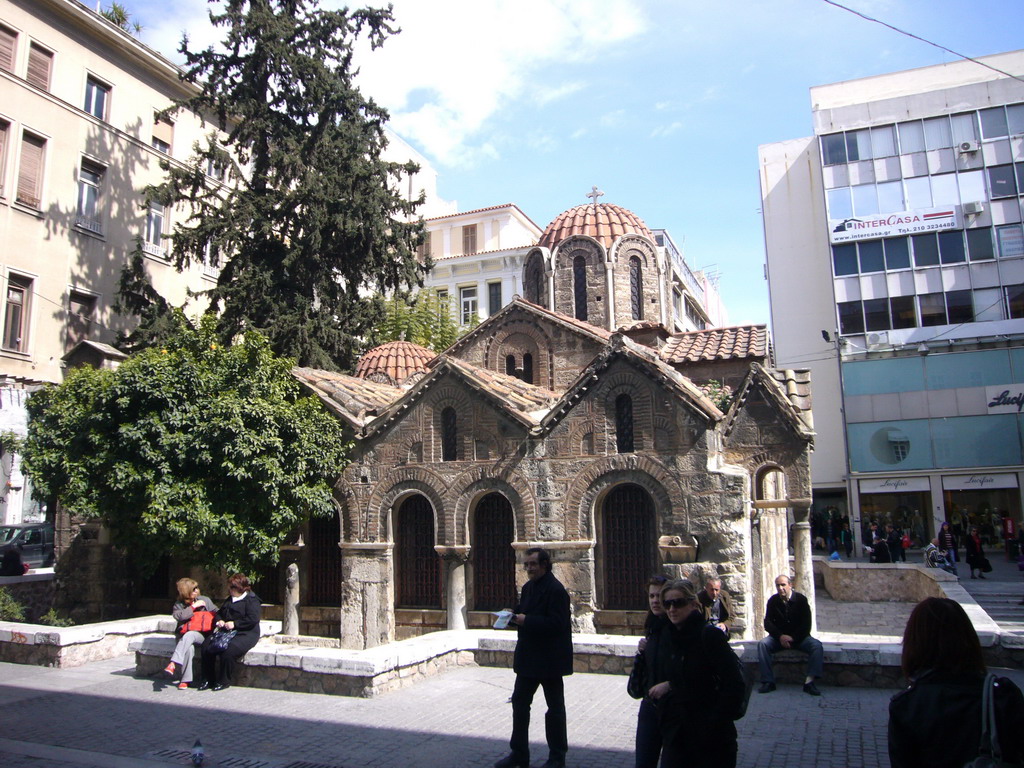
[896,274]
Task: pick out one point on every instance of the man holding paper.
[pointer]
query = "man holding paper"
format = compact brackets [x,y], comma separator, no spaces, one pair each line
[543,657]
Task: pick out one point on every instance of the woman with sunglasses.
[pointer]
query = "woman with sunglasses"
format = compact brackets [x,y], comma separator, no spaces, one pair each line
[696,684]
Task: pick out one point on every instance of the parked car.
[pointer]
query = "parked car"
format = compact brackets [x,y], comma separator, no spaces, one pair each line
[35,540]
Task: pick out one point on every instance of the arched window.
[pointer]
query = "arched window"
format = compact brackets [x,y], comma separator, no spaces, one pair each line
[449,435]
[494,561]
[626,547]
[417,566]
[636,288]
[624,424]
[528,368]
[324,578]
[533,282]
[510,365]
[579,286]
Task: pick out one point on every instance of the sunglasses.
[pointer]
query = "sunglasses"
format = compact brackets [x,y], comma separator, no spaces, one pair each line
[676,602]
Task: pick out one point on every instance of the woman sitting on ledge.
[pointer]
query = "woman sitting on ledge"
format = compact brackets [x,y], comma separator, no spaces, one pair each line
[240,614]
[192,629]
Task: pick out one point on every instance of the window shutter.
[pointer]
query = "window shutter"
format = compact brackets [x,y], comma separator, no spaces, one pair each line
[39,62]
[30,170]
[7,38]
[163,130]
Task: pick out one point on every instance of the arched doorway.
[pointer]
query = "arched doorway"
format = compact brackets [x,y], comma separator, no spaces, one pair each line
[324,581]
[626,547]
[417,566]
[494,561]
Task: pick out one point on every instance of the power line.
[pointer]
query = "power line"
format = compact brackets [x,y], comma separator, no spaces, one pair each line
[923,40]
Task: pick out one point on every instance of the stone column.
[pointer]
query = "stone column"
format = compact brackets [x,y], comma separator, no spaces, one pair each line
[455,559]
[291,601]
[367,595]
[803,566]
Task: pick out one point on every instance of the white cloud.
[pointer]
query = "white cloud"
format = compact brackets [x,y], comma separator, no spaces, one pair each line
[613,118]
[666,130]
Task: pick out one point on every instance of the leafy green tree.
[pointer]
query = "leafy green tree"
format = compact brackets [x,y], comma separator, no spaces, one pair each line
[206,451]
[312,220]
[425,319]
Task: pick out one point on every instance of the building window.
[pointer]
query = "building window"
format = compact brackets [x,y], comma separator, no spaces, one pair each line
[40,62]
[81,311]
[979,244]
[951,247]
[626,546]
[493,298]
[926,250]
[163,134]
[510,365]
[8,39]
[1011,241]
[5,132]
[494,560]
[636,293]
[844,259]
[30,170]
[16,312]
[933,309]
[533,285]
[851,317]
[467,301]
[876,315]
[97,98]
[218,171]
[89,177]
[1001,182]
[417,566]
[624,424]
[469,238]
[959,307]
[528,368]
[153,244]
[871,255]
[1015,300]
[449,435]
[897,253]
[901,309]
[579,287]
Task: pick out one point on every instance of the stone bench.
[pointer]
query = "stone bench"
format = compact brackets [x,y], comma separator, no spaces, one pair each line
[294,665]
[71,646]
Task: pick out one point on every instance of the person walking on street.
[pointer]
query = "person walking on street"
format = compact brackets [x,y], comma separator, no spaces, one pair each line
[543,656]
[948,542]
[975,554]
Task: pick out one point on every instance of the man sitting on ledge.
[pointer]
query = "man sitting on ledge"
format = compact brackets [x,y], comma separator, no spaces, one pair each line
[787,619]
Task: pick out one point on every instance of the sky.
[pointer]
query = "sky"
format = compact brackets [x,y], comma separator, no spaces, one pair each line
[661,104]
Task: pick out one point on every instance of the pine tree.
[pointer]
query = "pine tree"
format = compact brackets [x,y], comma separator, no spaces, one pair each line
[311,222]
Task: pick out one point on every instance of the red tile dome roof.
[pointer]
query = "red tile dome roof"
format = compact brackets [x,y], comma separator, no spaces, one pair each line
[604,222]
[393,362]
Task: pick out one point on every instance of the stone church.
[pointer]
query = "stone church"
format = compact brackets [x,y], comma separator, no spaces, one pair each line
[571,419]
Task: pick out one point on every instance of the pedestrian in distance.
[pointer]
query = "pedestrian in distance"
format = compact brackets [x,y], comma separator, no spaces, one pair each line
[648,730]
[974,554]
[698,686]
[543,656]
[948,541]
[937,721]
[787,620]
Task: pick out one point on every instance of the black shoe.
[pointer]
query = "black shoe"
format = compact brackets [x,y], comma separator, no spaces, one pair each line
[203,685]
[811,689]
[511,761]
[766,688]
[221,686]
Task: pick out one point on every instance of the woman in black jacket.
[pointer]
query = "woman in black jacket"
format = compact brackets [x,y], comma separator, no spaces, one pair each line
[696,683]
[648,731]
[936,721]
[239,613]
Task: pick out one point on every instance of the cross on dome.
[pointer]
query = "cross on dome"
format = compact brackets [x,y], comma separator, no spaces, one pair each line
[594,194]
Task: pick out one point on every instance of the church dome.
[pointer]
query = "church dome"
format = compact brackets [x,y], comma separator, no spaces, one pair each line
[604,222]
[393,362]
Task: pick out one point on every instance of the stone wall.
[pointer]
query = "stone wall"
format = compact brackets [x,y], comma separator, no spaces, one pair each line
[890,582]
[34,592]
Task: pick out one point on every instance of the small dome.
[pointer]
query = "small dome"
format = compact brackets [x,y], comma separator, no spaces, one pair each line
[393,362]
[604,222]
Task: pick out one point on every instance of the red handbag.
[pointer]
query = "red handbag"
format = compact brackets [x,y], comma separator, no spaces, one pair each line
[201,621]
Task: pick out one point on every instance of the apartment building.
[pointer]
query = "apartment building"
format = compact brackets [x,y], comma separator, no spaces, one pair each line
[896,274]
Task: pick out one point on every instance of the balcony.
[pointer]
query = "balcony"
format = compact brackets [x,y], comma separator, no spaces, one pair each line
[89,225]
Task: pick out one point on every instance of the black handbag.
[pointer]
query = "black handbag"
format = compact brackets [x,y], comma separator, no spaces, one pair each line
[220,640]
[986,566]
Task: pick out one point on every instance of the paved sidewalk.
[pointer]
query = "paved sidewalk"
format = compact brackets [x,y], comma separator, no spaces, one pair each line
[100,716]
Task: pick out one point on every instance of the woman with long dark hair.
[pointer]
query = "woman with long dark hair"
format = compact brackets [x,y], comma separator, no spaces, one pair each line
[936,721]
[648,733]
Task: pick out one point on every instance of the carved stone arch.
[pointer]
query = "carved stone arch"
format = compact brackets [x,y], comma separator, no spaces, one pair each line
[470,486]
[519,337]
[535,278]
[459,400]
[579,433]
[590,486]
[770,482]
[580,280]
[405,481]
[346,505]
[578,245]
[635,245]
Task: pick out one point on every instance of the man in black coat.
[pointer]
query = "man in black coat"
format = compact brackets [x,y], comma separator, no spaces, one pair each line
[543,657]
[787,619]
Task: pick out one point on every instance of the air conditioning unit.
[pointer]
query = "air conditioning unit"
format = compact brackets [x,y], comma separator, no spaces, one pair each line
[876,340]
[969,146]
[973,208]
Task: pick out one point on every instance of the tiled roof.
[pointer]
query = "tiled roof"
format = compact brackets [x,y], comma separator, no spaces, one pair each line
[514,392]
[481,253]
[483,210]
[394,362]
[735,343]
[604,222]
[358,399]
[797,386]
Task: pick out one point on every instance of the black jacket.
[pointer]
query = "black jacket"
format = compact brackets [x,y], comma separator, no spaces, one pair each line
[706,683]
[792,617]
[936,722]
[545,638]
[246,615]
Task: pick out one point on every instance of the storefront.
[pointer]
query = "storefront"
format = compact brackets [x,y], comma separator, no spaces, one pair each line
[990,502]
[902,501]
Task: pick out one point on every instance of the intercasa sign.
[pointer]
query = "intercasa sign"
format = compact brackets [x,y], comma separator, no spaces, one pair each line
[892,224]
